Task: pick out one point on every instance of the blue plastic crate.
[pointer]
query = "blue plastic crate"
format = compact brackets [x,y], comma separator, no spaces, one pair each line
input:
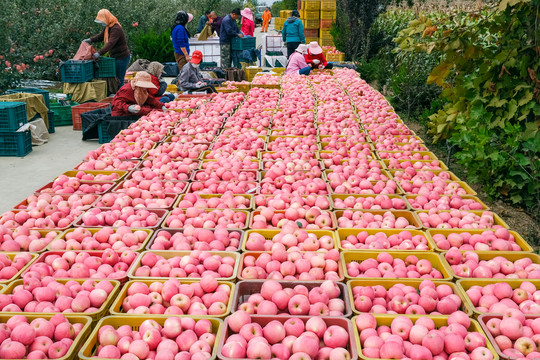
[244,43]
[15,143]
[12,116]
[77,71]
[105,67]
[50,117]
[45,93]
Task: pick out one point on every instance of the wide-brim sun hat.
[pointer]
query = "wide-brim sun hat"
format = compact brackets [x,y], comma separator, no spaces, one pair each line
[190,17]
[314,48]
[247,13]
[301,48]
[143,80]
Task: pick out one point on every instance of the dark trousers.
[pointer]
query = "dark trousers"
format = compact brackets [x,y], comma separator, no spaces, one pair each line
[121,68]
[208,88]
[291,47]
[328,66]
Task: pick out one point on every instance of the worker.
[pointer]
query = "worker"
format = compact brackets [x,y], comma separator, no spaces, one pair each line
[248,25]
[297,63]
[133,98]
[267,15]
[191,78]
[293,32]
[203,21]
[216,22]
[155,69]
[315,57]
[229,30]
[115,42]
[180,38]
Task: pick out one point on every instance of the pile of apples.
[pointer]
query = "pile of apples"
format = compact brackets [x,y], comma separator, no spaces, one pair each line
[191,238]
[136,198]
[500,297]
[40,338]
[499,239]
[426,298]
[226,201]
[294,338]
[282,201]
[208,219]
[403,240]
[378,202]
[197,264]
[443,202]
[106,264]
[9,267]
[453,219]
[156,186]
[232,163]
[108,164]
[365,219]
[121,150]
[117,239]
[50,296]
[311,219]
[278,298]
[171,297]
[212,186]
[127,216]
[299,240]
[23,238]
[72,185]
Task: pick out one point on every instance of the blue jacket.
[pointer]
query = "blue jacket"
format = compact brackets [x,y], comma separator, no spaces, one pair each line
[229,30]
[293,30]
[202,23]
[180,39]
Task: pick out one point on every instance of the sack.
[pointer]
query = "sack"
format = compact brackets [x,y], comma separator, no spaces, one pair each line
[205,33]
[85,52]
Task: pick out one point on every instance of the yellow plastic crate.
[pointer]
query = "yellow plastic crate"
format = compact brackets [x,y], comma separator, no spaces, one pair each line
[311,5]
[121,175]
[309,40]
[431,155]
[311,24]
[496,218]
[462,184]
[466,284]
[116,307]
[440,321]
[411,217]
[172,88]
[95,230]
[335,57]
[388,283]
[525,247]
[12,255]
[440,163]
[469,197]
[171,254]
[343,197]
[278,23]
[328,5]
[435,259]
[326,42]
[328,14]
[251,71]
[208,196]
[257,212]
[88,350]
[324,33]
[343,233]
[285,13]
[310,15]
[102,311]
[164,223]
[453,177]
[489,255]
[269,234]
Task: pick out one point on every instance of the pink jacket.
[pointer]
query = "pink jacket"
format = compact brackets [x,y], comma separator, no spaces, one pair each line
[296,63]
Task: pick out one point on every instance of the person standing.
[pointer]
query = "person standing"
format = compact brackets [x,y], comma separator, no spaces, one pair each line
[293,32]
[297,63]
[248,25]
[190,79]
[216,22]
[267,15]
[114,38]
[315,57]
[203,21]
[229,30]
[180,38]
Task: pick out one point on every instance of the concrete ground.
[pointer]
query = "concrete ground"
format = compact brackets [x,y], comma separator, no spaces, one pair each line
[20,177]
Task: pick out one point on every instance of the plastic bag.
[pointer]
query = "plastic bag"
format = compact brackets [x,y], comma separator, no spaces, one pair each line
[85,52]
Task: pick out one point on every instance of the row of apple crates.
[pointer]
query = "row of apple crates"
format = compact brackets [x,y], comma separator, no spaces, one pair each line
[86,342]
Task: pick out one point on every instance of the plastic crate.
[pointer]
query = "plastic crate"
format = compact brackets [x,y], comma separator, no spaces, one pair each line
[12,255]
[15,143]
[12,116]
[311,32]
[436,260]
[103,133]
[285,13]
[343,233]
[117,309]
[210,64]
[326,41]
[105,67]
[50,117]
[45,93]
[94,315]
[328,5]
[174,231]
[244,43]
[310,15]
[483,320]
[264,320]
[141,246]
[326,23]
[313,5]
[77,110]
[411,217]
[269,235]
[89,348]
[62,114]
[244,289]
[328,14]
[311,24]
[525,247]
[77,71]
[497,220]
[389,283]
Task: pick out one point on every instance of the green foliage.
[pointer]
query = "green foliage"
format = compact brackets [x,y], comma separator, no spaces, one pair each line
[150,45]
[487,66]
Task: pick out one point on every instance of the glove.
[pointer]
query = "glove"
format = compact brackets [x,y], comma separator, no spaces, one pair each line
[321,66]
[134,109]
[164,108]
[96,55]
[199,84]
[316,61]
[87,40]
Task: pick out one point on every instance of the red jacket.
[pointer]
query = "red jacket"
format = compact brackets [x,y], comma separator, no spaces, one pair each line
[310,57]
[126,97]
[248,27]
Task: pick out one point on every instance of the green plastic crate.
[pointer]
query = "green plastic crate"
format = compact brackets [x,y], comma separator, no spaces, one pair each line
[105,68]
[244,43]
[62,114]
[12,116]
[50,117]
[77,71]
[15,143]
[211,64]
[45,93]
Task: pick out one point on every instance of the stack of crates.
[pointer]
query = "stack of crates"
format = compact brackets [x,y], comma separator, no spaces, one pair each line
[278,23]
[46,100]
[12,117]
[328,16]
[310,15]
